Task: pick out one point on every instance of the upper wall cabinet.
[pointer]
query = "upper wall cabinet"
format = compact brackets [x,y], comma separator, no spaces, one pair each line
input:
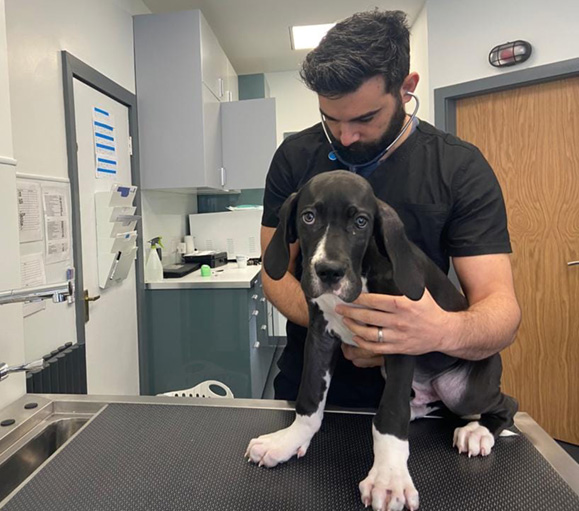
[249,142]
[232,85]
[181,76]
[214,63]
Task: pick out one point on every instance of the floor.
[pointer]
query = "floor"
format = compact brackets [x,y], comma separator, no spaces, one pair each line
[572,450]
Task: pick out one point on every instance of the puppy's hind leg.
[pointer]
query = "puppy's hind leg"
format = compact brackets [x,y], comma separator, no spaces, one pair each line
[319,360]
[474,389]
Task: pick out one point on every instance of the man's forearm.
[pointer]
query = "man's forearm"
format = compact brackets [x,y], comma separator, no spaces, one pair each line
[484,329]
[288,297]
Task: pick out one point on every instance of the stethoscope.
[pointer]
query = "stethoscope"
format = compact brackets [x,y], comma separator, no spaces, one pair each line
[334,155]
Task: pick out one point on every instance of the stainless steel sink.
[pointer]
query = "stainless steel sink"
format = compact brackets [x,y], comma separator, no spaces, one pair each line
[36,451]
[37,434]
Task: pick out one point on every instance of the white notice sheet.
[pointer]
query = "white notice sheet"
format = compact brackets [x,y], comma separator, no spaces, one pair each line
[105,144]
[33,274]
[29,211]
[57,224]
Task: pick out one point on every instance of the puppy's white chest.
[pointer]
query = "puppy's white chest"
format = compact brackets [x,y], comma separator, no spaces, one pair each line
[327,304]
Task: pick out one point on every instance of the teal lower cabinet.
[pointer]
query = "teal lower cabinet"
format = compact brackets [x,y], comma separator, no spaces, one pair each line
[220,334]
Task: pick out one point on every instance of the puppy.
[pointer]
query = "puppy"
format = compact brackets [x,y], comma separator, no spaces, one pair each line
[351,242]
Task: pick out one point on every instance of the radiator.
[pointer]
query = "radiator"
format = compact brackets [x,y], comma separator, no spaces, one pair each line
[63,372]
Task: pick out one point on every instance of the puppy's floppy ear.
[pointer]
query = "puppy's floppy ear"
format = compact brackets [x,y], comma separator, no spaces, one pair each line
[393,243]
[277,253]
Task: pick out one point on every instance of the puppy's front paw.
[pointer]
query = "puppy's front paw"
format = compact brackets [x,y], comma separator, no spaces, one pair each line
[388,486]
[274,448]
[473,439]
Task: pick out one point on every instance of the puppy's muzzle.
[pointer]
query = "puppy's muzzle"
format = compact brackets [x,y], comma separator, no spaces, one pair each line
[330,272]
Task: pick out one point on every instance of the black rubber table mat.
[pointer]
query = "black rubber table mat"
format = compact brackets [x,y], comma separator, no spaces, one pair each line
[165,457]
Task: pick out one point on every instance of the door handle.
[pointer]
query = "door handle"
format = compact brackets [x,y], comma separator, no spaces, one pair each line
[88,299]
[573,263]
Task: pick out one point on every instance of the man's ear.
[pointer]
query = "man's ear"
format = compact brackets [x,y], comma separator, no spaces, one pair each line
[277,253]
[392,242]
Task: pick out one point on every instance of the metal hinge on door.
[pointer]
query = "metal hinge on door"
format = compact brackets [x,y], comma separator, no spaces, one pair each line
[130,146]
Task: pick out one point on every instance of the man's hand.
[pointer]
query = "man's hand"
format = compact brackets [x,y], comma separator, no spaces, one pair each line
[361,357]
[408,327]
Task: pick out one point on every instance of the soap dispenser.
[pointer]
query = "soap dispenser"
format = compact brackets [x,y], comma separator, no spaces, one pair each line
[154,268]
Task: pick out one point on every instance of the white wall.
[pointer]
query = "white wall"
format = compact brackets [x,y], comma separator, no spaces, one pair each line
[101,34]
[462,33]
[11,333]
[5,126]
[419,64]
[296,107]
[166,214]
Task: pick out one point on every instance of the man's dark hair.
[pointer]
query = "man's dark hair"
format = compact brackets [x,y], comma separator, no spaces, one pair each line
[365,45]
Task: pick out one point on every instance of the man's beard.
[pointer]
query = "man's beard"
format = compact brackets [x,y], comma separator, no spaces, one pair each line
[364,152]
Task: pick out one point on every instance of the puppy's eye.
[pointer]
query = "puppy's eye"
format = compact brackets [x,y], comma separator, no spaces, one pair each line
[361,222]
[308,217]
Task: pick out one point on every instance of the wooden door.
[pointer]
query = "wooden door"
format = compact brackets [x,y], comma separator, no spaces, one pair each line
[530,135]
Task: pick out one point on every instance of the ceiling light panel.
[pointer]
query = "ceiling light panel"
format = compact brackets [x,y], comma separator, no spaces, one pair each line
[308,36]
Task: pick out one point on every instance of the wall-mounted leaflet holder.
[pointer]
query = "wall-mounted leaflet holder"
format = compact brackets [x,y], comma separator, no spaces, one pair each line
[116,234]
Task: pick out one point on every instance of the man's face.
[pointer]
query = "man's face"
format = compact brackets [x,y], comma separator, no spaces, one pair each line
[363,123]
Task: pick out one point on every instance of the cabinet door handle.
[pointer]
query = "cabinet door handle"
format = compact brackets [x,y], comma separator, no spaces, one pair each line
[573,263]
[262,300]
[223,176]
[255,313]
[254,297]
[264,327]
[257,344]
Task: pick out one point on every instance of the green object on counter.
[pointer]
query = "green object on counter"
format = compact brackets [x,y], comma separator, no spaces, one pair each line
[205,270]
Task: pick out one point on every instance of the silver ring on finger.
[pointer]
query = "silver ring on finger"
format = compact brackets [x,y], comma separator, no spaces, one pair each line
[380,334]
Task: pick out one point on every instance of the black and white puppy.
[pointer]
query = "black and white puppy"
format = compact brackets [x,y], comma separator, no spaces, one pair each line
[351,242]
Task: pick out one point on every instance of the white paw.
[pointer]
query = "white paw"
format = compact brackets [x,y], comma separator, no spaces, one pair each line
[473,439]
[388,486]
[274,448]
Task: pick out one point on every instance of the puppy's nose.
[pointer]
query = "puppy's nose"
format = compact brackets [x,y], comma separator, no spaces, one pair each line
[330,272]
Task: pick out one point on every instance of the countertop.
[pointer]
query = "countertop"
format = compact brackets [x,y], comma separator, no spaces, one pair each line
[223,277]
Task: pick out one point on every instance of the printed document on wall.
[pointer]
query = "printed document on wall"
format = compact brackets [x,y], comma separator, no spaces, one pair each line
[29,211]
[32,274]
[57,224]
[105,144]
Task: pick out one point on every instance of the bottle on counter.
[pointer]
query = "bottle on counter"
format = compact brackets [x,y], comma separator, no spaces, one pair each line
[154,267]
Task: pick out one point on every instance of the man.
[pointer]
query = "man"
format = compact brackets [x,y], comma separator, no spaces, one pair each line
[443,189]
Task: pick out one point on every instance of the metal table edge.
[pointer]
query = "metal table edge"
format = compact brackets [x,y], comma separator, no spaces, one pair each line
[558,458]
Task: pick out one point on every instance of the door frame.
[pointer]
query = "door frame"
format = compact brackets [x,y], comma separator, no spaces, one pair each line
[445,97]
[73,68]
